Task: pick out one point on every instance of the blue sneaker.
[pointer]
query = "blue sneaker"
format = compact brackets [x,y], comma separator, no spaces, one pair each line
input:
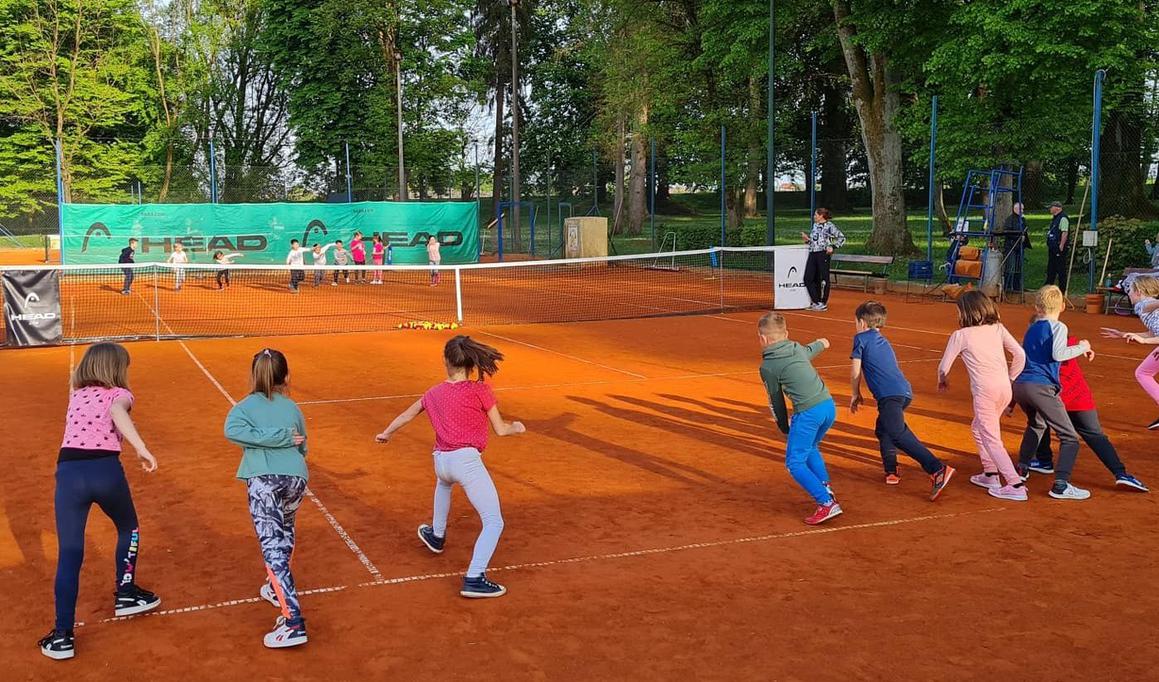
[432,541]
[481,588]
[1039,466]
[1129,481]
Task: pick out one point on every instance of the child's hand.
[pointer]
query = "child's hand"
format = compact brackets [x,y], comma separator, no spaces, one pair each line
[383,437]
[854,403]
[943,385]
[804,237]
[1133,338]
[1009,409]
[824,343]
[518,427]
[148,461]
[298,438]
[1109,333]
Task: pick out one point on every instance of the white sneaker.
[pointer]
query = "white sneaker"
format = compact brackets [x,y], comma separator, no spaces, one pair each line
[1070,492]
[267,592]
[283,636]
[334,284]
[1009,492]
[983,480]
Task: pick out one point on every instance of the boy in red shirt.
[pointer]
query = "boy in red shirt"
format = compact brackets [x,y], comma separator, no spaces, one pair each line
[1080,406]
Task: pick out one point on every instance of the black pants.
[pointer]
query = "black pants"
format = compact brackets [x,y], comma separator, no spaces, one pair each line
[345,274]
[1086,423]
[817,276]
[893,434]
[1044,411]
[1056,266]
[1013,270]
[222,279]
[79,485]
[296,277]
[128,272]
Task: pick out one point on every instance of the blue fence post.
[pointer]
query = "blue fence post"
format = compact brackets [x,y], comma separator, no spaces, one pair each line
[1096,135]
[723,181]
[933,179]
[212,172]
[59,196]
[652,193]
[813,168]
[770,160]
[349,183]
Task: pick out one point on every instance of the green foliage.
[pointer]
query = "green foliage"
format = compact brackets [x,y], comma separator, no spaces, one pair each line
[1129,235]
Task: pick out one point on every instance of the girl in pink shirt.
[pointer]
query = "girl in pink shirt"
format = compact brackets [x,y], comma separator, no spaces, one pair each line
[379,254]
[983,342]
[89,472]
[460,410]
[358,255]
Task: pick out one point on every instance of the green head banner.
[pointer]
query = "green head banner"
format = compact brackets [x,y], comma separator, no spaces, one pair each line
[96,233]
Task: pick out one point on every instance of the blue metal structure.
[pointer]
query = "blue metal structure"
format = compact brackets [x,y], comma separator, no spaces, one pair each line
[60,195]
[212,172]
[517,205]
[979,202]
[1096,134]
[813,168]
[349,183]
[933,179]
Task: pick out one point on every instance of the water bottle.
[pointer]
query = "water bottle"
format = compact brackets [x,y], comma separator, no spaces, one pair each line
[389,254]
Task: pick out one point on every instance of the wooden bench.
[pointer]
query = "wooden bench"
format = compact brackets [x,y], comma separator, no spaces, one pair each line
[873,261]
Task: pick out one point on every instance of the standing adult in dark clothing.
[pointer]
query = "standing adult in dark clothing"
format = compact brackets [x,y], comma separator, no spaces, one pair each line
[126,257]
[1015,241]
[822,240]
[1057,239]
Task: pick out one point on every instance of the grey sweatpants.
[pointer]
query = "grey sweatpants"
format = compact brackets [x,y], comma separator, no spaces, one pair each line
[1044,409]
[274,501]
[465,467]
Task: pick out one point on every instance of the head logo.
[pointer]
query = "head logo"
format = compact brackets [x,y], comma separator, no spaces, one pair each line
[97,229]
[314,225]
[793,271]
[30,299]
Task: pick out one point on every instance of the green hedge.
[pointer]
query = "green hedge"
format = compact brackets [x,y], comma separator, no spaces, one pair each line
[1127,250]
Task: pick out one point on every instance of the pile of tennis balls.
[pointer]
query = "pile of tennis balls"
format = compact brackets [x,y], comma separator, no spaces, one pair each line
[426,324]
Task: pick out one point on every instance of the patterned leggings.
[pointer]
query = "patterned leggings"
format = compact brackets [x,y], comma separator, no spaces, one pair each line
[274,501]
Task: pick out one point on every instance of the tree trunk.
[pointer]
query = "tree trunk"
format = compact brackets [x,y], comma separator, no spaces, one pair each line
[755,151]
[1121,190]
[498,172]
[940,208]
[1155,185]
[734,202]
[638,191]
[834,153]
[877,103]
[1072,179]
[1032,185]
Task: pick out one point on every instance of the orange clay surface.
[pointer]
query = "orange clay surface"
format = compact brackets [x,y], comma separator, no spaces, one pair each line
[652,531]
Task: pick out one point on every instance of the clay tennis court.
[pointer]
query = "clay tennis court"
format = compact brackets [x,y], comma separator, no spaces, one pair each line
[652,531]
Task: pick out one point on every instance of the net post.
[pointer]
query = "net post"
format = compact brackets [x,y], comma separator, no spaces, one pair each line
[156,304]
[459,294]
[721,261]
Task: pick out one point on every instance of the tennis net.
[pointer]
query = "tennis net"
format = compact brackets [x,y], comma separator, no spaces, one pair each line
[197,300]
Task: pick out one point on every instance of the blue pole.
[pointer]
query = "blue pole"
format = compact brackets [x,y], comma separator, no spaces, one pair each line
[1096,134]
[813,170]
[933,180]
[212,172]
[59,197]
[652,193]
[723,212]
[349,187]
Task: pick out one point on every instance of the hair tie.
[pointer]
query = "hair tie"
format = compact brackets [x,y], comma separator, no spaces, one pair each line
[266,352]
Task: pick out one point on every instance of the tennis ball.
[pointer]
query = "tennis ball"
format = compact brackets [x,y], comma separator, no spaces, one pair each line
[454,325]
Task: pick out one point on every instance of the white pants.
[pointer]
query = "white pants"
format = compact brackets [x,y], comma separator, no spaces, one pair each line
[465,467]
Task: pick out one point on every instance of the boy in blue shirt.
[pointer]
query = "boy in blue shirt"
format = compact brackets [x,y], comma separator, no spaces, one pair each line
[874,359]
[1037,391]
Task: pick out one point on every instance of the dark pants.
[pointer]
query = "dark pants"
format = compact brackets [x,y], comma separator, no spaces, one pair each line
[296,277]
[128,280]
[1056,266]
[817,276]
[345,275]
[222,279]
[893,434]
[1044,410]
[1012,280]
[79,485]
[1086,423]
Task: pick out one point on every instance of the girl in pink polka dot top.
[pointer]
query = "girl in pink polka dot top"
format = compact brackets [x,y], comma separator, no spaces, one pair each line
[461,410]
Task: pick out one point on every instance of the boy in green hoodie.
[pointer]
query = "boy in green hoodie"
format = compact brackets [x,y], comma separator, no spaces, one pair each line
[787,370]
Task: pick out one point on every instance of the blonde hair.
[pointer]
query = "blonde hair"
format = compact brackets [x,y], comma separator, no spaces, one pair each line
[103,364]
[268,373]
[1049,300]
[1146,285]
[975,309]
[773,322]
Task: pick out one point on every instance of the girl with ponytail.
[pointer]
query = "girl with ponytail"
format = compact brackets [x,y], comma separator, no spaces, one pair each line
[460,410]
[271,431]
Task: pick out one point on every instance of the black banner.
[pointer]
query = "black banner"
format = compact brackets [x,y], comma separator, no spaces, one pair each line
[32,307]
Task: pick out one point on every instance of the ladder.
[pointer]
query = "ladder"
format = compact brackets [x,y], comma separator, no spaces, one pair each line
[977,216]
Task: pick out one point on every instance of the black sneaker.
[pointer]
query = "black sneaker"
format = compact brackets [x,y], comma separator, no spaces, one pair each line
[133,600]
[432,541]
[481,588]
[1023,471]
[1042,466]
[58,645]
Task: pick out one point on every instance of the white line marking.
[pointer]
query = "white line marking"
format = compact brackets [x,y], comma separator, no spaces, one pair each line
[564,355]
[827,530]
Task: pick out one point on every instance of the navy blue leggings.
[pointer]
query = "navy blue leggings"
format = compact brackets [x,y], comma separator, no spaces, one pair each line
[80,484]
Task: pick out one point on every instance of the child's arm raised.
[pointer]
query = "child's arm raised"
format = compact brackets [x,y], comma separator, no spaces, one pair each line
[119,411]
[400,421]
[1145,339]
[816,348]
[501,427]
[855,384]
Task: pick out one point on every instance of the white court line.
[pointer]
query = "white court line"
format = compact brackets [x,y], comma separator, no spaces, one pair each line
[350,543]
[564,355]
[826,530]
